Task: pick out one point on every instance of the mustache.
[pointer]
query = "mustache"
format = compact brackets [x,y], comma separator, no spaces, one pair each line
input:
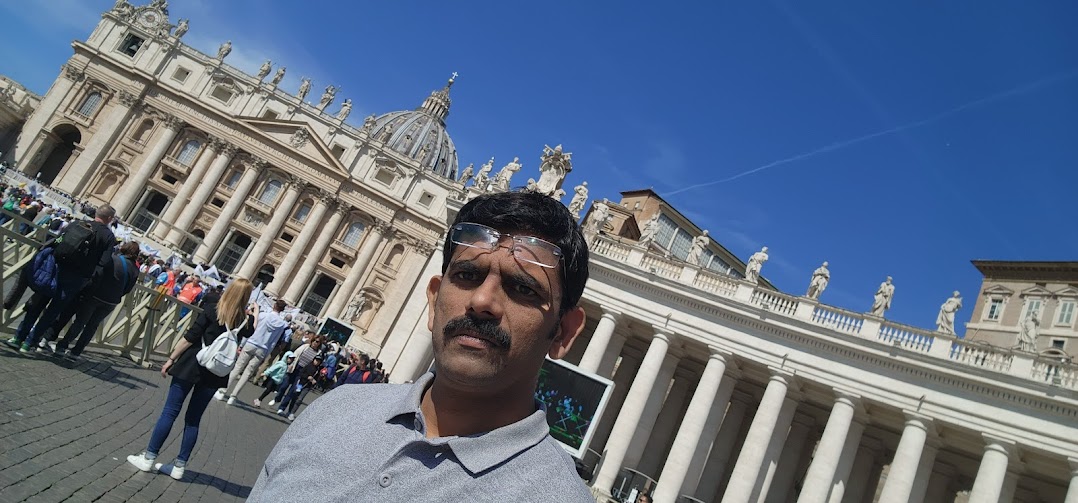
[487,329]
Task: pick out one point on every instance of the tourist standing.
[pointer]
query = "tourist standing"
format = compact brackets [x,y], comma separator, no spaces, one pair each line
[268,329]
[190,378]
[99,299]
[275,377]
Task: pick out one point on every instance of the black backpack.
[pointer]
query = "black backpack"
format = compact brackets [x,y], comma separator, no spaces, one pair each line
[73,245]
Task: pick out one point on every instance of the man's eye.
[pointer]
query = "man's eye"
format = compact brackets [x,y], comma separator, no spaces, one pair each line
[466,275]
[524,290]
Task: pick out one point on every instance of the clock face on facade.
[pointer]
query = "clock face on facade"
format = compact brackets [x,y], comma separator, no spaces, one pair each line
[149,18]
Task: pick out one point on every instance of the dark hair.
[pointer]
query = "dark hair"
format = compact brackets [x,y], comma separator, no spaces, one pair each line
[533,213]
[130,249]
[279,305]
[364,358]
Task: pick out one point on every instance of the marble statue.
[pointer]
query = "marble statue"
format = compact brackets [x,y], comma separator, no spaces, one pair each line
[122,8]
[554,165]
[387,133]
[580,199]
[558,194]
[501,180]
[368,124]
[482,178]
[346,108]
[755,265]
[264,70]
[945,318]
[327,97]
[600,215]
[696,249]
[182,27]
[356,307]
[277,76]
[224,50]
[649,230]
[304,88]
[1028,332]
[882,301]
[159,5]
[467,174]
[820,278]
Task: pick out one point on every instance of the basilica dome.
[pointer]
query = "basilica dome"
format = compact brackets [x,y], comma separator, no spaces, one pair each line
[420,134]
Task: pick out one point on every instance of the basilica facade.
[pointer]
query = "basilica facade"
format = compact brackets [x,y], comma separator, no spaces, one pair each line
[725,389]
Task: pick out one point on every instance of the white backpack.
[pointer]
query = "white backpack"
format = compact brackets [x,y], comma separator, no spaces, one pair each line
[220,356]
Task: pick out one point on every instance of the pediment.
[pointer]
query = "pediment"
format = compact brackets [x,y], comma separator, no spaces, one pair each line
[998,290]
[297,137]
[1069,291]
[1036,291]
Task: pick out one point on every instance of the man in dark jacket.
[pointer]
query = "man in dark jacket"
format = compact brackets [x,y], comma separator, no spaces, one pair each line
[73,277]
[100,298]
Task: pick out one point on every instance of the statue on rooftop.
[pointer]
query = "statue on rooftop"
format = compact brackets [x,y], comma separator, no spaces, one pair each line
[580,199]
[467,174]
[224,50]
[501,180]
[945,318]
[650,229]
[181,28]
[122,8]
[304,88]
[554,165]
[882,301]
[1028,332]
[368,124]
[482,178]
[820,278]
[277,76]
[327,97]
[346,108]
[600,215]
[696,249]
[755,265]
[264,70]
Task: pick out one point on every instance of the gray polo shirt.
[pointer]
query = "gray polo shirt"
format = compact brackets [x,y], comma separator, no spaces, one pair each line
[384,456]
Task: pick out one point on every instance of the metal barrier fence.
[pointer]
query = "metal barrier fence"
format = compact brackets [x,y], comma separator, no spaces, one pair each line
[147,323]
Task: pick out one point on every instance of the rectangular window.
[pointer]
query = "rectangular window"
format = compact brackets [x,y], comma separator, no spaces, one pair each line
[1066,313]
[302,212]
[681,244]
[287,237]
[222,94]
[1059,343]
[131,44]
[1033,306]
[181,74]
[426,199]
[270,114]
[337,151]
[218,202]
[667,229]
[169,179]
[995,309]
[336,262]
[233,179]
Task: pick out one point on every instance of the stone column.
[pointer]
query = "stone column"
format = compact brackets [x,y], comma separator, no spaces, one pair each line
[73,177]
[600,340]
[939,484]
[661,437]
[861,475]
[613,352]
[232,207]
[775,449]
[203,189]
[821,473]
[989,482]
[298,249]
[301,276]
[269,232]
[132,187]
[900,477]
[631,410]
[722,448]
[749,465]
[1072,490]
[665,388]
[366,252]
[796,441]
[692,427]
[924,470]
[846,461]
[180,202]
[416,355]
[704,448]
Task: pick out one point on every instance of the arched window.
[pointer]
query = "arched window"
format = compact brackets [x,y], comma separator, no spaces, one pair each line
[89,105]
[394,258]
[269,192]
[188,152]
[353,234]
[143,131]
[302,212]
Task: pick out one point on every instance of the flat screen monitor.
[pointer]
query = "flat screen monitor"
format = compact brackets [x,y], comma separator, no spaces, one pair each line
[336,330]
[574,401]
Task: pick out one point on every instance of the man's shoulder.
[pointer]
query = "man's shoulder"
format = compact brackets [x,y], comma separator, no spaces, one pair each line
[547,467]
[341,401]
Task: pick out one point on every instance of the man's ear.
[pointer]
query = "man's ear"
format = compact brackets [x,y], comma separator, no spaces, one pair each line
[570,327]
[432,298]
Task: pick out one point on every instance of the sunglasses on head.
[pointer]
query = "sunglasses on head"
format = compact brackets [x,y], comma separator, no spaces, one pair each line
[529,249]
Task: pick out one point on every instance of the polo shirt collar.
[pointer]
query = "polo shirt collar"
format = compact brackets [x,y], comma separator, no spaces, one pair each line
[481,451]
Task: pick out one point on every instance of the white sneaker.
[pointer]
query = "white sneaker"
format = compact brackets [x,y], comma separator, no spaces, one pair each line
[231,400]
[220,395]
[291,417]
[141,462]
[272,402]
[42,344]
[52,346]
[171,470]
[257,402]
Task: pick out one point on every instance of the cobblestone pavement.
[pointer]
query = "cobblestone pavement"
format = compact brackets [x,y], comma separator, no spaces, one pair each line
[66,430]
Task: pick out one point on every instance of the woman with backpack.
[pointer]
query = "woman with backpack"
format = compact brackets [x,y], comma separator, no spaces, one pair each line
[107,289]
[189,377]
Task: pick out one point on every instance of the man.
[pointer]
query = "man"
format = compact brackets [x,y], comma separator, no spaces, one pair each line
[514,269]
[268,329]
[72,277]
[279,348]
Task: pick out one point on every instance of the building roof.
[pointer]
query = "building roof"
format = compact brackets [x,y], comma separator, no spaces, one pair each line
[1027,270]
[420,134]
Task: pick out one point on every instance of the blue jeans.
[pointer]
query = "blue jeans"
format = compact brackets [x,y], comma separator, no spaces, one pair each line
[177,393]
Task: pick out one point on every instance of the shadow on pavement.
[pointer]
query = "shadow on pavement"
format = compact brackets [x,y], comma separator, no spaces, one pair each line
[229,488]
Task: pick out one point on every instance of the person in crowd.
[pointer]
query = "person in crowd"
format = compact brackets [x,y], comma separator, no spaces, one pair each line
[166,280]
[514,268]
[275,377]
[191,379]
[99,300]
[278,349]
[298,389]
[356,373]
[190,293]
[211,297]
[328,374]
[30,213]
[305,354]
[268,329]
[72,277]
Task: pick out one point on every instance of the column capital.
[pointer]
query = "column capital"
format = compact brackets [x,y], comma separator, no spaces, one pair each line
[172,122]
[127,99]
[918,420]
[381,226]
[663,333]
[611,313]
[256,164]
[785,376]
[1000,444]
[72,73]
[1073,462]
[296,182]
[719,353]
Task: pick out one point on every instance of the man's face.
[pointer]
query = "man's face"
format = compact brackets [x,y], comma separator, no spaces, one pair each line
[494,318]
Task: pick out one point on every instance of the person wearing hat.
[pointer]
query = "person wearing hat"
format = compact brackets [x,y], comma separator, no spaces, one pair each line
[275,377]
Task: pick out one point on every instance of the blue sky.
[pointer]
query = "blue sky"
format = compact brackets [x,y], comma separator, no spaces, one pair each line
[904,138]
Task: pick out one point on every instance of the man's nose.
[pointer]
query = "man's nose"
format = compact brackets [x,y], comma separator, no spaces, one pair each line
[486,299]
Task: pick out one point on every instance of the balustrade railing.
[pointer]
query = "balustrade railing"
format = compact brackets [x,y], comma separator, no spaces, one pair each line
[774,301]
[715,283]
[1055,371]
[981,355]
[662,266]
[906,337]
[611,248]
[837,319]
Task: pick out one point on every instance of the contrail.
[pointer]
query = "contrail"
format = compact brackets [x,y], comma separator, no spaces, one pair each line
[912,125]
